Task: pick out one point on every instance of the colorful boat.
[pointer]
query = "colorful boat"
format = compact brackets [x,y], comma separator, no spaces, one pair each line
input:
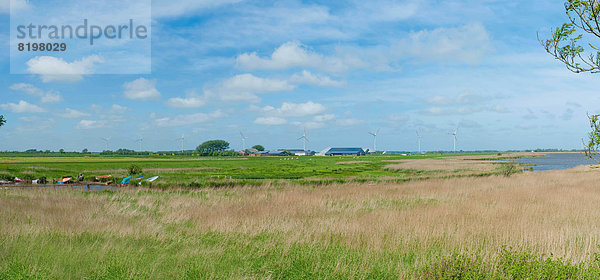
[103,177]
[126,180]
[64,180]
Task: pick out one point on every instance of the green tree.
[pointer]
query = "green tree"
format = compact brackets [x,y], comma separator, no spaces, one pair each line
[134,169]
[567,42]
[567,46]
[209,147]
[2,120]
[62,151]
[84,151]
[591,148]
[258,147]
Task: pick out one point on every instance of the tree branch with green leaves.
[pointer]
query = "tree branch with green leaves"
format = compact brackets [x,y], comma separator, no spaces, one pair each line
[567,42]
[591,148]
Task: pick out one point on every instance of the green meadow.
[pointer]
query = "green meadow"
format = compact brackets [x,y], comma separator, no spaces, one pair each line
[299,218]
[188,171]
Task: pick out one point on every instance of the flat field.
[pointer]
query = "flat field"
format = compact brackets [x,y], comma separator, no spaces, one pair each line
[526,226]
[256,171]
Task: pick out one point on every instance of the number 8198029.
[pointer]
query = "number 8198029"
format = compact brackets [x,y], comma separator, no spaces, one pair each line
[42,47]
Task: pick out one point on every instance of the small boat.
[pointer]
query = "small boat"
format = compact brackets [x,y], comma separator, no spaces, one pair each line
[126,180]
[18,180]
[151,179]
[102,177]
[64,180]
[138,178]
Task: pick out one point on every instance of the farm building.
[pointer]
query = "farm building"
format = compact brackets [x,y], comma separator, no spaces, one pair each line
[275,154]
[299,152]
[342,152]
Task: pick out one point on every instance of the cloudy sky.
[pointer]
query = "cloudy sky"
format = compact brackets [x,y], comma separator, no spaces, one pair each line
[338,68]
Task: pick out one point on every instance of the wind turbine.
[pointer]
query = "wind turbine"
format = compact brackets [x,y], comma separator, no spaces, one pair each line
[454,134]
[419,140]
[182,139]
[243,141]
[304,139]
[107,140]
[141,141]
[374,140]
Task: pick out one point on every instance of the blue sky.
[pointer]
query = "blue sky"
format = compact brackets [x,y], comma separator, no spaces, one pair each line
[340,69]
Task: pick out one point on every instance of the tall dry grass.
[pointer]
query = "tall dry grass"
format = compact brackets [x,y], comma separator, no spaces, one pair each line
[551,212]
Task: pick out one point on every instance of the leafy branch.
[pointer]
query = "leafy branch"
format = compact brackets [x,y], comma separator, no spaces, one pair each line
[565,44]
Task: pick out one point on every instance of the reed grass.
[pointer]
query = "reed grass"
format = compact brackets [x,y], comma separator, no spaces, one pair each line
[417,229]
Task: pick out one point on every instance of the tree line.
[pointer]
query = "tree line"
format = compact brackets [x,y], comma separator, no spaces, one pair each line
[208,148]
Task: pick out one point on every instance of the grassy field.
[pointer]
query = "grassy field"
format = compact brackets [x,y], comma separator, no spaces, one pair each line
[527,226]
[236,171]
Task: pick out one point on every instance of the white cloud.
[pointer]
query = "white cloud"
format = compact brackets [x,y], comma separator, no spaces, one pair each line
[17,5]
[462,104]
[73,114]
[467,44]
[270,121]
[181,120]
[116,108]
[350,122]
[307,77]
[293,55]
[27,88]
[464,110]
[90,124]
[244,87]
[288,55]
[51,97]
[399,118]
[141,89]
[289,109]
[168,8]
[310,124]
[384,10]
[22,107]
[500,109]
[324,118]
[191,100]
[54,69]
[45,97]
[318,121]
[461,99]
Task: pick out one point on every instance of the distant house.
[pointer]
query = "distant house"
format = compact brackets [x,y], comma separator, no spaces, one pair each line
[252,152]
[299,152]
[275,154]
[342,152]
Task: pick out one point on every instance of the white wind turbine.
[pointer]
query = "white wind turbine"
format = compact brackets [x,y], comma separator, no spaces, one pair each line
[374,140]
[181,139]
[419,140]
[107,141]
[243,141]
[454,134]
[304,139]
[141,141]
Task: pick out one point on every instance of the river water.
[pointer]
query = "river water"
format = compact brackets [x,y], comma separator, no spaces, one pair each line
[556,161]
[85,188]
